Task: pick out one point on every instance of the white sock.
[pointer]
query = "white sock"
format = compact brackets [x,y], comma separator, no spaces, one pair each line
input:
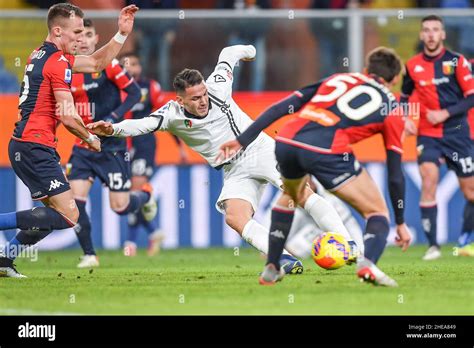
[326,216]
[257,236]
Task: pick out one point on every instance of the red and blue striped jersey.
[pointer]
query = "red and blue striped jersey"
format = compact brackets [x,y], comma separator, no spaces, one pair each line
[345,109]
[48,69]
[440,82]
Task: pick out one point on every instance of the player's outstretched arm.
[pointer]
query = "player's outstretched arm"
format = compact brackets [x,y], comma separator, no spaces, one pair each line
[289,105]
[72,121]
[102,57]
[232,54]
[127,128]
[272,114]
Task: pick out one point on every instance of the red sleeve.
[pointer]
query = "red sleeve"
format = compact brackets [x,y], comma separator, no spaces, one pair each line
[393,131]
[117,75]
[156,97]
[59,72]
[464,76]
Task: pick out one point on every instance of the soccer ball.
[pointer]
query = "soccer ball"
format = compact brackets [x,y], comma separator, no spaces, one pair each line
[330,250]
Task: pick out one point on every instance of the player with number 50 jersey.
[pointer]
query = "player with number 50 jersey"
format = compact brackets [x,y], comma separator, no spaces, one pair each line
[335,113]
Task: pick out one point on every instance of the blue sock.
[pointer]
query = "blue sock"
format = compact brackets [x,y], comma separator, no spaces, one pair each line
[150,226]
[137,200]
[464,239]
[83,229]
[133,226]
[375,237]
[41,218]
[428,221]
[467,225]
[8,221]
[23,240]
[282,218]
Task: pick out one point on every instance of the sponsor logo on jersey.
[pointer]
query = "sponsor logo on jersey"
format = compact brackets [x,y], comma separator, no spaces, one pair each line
[188,123]
[38,54]
[318,115]
[62,58]
[418,68]
[67,75]
[448,67]
[435,82]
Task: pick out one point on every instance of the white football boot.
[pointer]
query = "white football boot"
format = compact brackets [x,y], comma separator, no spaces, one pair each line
[368,272]
[271,275]
[432,253]
[154,243]
[7,269]
[88,261]
[150,209]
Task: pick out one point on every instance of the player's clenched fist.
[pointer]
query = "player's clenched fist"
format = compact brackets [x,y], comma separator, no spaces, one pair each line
[126,18]
[101,128]
[403,238]
[94,145]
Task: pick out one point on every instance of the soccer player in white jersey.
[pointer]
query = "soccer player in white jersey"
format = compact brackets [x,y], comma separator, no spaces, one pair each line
[204,116]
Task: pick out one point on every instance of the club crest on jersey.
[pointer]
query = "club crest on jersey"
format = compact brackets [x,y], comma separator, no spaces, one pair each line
[448,67]
[67,75]
[96,75]
[188,123]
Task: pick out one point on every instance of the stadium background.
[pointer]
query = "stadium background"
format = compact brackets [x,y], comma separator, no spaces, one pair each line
[298,42]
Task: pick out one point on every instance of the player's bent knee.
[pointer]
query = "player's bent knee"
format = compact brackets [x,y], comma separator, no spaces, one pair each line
[119,204]
[73,215]
[376,212]
[469,195]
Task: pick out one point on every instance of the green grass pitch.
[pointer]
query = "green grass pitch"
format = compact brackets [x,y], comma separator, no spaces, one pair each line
[216,281]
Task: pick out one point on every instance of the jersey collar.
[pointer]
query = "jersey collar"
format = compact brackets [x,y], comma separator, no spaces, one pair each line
[190,115]
[433,58]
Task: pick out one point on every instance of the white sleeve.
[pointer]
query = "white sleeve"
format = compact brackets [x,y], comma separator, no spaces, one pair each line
[131,128]
[220,81]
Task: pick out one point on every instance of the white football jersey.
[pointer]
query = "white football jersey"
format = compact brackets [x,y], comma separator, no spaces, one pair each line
[224,122]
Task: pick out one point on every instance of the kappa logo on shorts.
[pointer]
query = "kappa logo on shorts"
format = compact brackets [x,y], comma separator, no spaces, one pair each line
[55,184]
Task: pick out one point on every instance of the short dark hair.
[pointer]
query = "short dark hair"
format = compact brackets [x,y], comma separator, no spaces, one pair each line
[88,23]
[432,18]
[384,62]
[187,78]
[123,58]
[128,55]
[63,10]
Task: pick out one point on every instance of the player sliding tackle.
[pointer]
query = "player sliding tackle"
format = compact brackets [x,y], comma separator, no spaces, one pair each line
[46,100]
[336,112]
[204,116]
